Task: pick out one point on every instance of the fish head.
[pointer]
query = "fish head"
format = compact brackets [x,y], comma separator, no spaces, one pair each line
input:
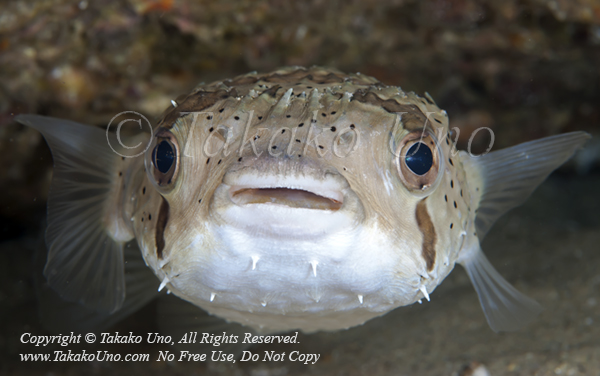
[301,191]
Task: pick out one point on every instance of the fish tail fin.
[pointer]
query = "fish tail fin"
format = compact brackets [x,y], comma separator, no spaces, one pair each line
[85,261]
[498,182]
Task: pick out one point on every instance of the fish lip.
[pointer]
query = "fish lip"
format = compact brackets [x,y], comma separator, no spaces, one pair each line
[295,197]
[281,222]
[299,191]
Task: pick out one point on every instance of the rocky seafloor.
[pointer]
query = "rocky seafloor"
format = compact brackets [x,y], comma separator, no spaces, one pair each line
[525,69]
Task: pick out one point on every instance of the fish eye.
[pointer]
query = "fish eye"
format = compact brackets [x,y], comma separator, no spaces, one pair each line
[419,158]
[162,159]
[418,162]
[163,156]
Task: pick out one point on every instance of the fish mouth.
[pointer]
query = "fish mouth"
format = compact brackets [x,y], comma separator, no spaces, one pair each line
[286,206]
[330,200]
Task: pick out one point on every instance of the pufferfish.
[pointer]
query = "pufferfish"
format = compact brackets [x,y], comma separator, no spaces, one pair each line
[301,199]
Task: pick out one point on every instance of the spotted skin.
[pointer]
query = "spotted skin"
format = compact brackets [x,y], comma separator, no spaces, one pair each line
[292,123]
[287,200]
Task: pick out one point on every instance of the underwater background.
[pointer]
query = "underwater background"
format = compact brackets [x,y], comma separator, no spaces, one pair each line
[525,69]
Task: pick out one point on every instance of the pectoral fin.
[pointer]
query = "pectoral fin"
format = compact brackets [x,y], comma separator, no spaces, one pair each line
[505,308]
[505,178]
[85,264]
[60,316]
[498,182]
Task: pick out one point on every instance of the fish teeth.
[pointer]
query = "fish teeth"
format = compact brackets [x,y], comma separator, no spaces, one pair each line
[314,267]
[360,299]
[212,296]
[173,103]
[254,261]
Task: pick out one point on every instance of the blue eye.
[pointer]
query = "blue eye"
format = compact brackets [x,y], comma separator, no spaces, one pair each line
[163,156]
[419,158]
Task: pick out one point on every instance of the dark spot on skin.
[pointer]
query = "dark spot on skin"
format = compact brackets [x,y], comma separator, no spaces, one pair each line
[314,121]
[195,102]
[344,168]
[288,116]
[352,126]
[200,201]
[142,219]
[451,183]
[299,155]
[144,190]
[272,91]
[447,143]
[219,162]
[333,129]
[437,120]
[323,114]
[446,198]
[477,189]
[282,131]
[161,225]
[429,237]
[260,118]
[454,204]
[321,147]
[298,140]
[149,217]
[333,112]
[309,87]
[461,193]
[209,117]
[274,147]
[221,110]
[451,225]
[236,117]
[239,159]
[211,129]
[122,158]
[120,173]
[450,160]
[300,125]
[208,160]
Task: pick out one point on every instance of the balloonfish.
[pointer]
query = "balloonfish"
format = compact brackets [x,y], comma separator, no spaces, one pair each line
[301,199]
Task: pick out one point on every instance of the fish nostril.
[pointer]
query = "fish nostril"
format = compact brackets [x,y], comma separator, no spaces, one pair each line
[295,198]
